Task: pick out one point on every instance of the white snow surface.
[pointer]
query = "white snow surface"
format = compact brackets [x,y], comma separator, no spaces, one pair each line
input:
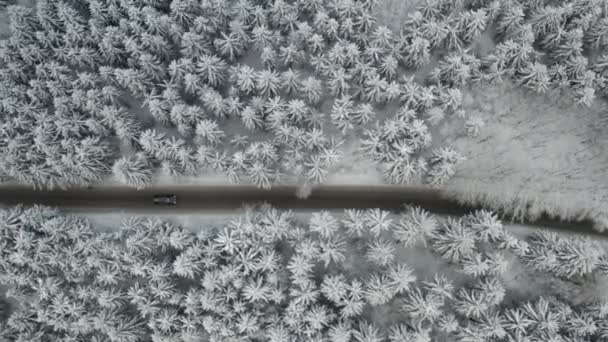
[537,150]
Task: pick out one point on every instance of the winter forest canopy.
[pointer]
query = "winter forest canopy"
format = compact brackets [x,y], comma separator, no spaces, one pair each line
[266,92]
[269,92]
[272,275]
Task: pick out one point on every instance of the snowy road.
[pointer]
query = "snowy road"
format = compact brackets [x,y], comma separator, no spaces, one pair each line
[193,198]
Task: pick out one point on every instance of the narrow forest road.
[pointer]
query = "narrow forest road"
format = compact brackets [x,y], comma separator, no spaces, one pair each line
[191,198]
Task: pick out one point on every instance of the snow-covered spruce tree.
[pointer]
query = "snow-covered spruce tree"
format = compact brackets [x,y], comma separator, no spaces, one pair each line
[423,307]
[471,24]
[454,240]
[354,222]
[536,77]
[185,60]
[563,256]
[208,130]
[415,226]
[456,70]
[254,276]
[443,166]
[133,171]
[394,145]
[486,226]
[380,252]
[417,52]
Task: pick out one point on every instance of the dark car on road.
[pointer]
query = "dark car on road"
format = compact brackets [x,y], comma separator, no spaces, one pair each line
[164,199]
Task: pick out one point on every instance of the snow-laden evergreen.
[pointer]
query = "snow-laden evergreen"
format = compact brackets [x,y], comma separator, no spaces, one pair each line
[87,83]
[271,275]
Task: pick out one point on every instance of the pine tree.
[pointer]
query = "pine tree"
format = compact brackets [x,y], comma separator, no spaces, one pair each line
[471,304]
[597,35]
[364,113]
[185,266]
[456,69]
[547,19]
[471,24]
[486,225]
[229,45]
[434,31]
[354,221]
[269,57]
[378,289]
[290,80]
[354,304]
[251,118]
[315,43]
[476,265]
[510,19]
[317,169]
[374,88]
[133,171]
[564,256]
[417,52]
[211,69]
[382,36]
[340,332]
[378,221]
[516,322]
[403,332]
[423,307]
[305,293]
[341,113]
[339,82]
[194,45]
[454,241]
[297,110]
[367,332]
[257,291]
[334,288]
[316,139]
[536,77]
[152,66]
[151,141]
[380,252]
[332,251]
[581,325]
[401,278]
[585,96]
[268,82]
[263,37]
[260,175]
[443,165]
[324,224]
[570,46]
[440,286]
[492,289]
[450,99]
[244,77]
[290,55]
[416,226]
[312,90]
[542,315]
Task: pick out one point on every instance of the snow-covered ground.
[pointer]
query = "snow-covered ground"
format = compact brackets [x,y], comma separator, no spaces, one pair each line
[536,153]
[393,12]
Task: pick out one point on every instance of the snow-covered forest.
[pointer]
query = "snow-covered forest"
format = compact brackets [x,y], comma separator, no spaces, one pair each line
[270,92]
[441,93]
[271,275]
[266,92]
